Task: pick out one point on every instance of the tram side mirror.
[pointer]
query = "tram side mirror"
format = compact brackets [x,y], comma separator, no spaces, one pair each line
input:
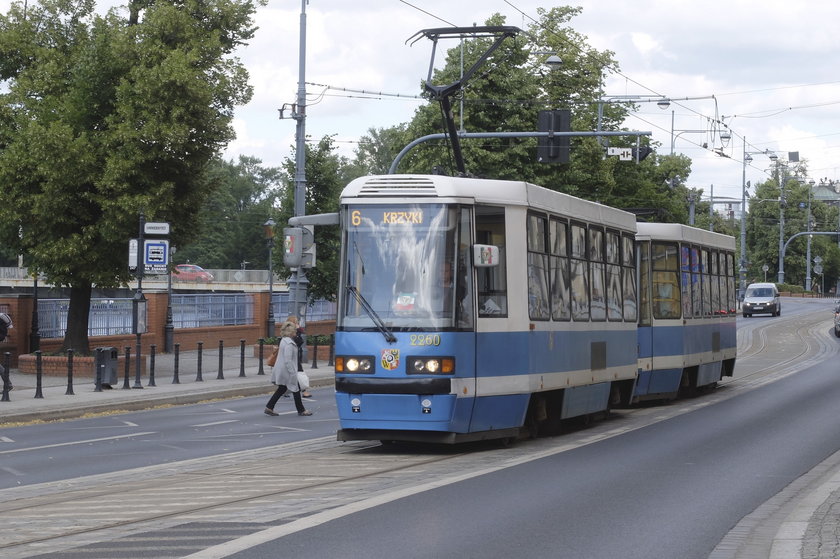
[485,256]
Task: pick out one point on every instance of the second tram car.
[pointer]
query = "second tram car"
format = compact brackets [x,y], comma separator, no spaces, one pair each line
[687,311]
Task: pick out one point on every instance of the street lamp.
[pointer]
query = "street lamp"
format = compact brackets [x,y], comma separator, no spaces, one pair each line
[268,233]
[169,327]
[742,259]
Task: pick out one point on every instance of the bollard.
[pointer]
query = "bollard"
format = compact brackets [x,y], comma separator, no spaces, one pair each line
[152,365]
[7,386]
[69,373]
[138,365]
[241,358]
[175,379]
[97,374]
[198,363]
[261,370]
[331,362]
[126,384]
[221,374]
[38,372]
[315,352]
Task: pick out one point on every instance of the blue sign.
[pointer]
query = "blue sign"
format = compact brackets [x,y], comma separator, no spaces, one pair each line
[155,256]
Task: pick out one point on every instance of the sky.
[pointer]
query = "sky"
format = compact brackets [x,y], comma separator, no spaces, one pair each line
[766,69]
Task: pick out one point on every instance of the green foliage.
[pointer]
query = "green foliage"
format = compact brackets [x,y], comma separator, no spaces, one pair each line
[231,219]
[507,93]
[105,118]
[326,175]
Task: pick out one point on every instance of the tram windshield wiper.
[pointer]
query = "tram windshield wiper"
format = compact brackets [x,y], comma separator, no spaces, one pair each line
[380,325]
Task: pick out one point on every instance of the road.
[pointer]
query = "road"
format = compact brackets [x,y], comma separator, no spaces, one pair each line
[663,481]
[119,443]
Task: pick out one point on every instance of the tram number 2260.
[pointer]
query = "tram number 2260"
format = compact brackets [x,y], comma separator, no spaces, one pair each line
[425,339]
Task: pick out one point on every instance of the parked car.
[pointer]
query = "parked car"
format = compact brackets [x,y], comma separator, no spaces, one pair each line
[761,298]
[191,272]
[837,318]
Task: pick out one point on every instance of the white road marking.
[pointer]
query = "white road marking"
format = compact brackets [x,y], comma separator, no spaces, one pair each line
[216,423]
[128,436]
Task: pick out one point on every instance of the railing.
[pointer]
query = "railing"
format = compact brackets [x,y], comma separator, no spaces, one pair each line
[113,317]
[219,276]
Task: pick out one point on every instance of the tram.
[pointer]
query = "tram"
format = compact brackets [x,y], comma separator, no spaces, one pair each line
[687,311]
[472,309]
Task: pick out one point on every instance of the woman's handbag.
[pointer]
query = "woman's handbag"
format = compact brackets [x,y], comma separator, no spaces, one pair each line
[272,359]
[303,381]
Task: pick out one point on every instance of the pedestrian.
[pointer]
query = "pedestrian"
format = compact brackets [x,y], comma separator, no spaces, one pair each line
[299,343]
[5,324]
[284,373]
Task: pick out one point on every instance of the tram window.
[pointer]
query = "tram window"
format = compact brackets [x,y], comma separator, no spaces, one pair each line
[559,273]
[464,286]
[685,281]
[717,306]
[628,269]
[614,302]
[696,284]
[492,283]
[707,283]
[538,292]
[536,233]
[558,238]
[730,281]
[666,291]
[579,274]
[598,297]
[644,284]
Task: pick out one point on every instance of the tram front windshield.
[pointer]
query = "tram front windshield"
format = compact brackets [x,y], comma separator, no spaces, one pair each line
[401,261]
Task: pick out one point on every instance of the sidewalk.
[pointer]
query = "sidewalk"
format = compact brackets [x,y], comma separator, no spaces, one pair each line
[57,404]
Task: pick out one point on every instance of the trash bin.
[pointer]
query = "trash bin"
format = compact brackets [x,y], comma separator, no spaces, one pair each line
[105,361]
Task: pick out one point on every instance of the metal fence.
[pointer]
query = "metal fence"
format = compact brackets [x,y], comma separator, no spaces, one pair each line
[112,317]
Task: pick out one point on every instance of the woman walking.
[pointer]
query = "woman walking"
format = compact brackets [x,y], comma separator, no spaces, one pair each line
[284,374]
[298,339]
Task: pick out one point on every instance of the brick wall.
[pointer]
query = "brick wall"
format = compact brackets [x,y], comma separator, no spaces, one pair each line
[20,307]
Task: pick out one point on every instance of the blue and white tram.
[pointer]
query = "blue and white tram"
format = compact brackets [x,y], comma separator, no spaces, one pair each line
[472,308]
[687,311]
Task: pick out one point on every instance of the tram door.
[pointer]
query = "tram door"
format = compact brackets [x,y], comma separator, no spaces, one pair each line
[645,331]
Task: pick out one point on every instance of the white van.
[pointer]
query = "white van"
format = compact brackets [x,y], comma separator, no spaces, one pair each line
[761,298]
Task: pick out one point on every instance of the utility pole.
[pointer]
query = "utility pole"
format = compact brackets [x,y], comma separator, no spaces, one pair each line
[300,155]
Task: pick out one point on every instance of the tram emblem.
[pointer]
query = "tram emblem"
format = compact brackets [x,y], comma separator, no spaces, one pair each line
[390,359]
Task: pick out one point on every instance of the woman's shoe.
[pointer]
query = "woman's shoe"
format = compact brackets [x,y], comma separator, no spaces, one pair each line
[305,412]
[269,411]
[306,395]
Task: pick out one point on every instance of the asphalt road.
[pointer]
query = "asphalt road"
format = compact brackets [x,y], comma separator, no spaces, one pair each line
[112,443]
[673,489]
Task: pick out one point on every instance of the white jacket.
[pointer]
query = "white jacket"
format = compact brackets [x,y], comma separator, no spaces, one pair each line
[285,368]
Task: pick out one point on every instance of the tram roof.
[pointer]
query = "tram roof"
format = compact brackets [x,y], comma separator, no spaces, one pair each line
[686,233]
[485,191]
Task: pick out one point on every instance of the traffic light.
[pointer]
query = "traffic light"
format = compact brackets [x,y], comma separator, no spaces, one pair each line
[641,152]
[554,149]
[299,246]
[292,246]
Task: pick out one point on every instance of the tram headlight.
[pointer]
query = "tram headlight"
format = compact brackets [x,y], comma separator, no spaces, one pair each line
[353,364]
[431,365]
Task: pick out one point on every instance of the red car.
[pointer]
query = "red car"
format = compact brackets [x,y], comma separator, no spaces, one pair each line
[191,272]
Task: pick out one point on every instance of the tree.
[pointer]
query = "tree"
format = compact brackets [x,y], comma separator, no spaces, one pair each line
[326,175]
[104,118]
[378,149]
[507,93]
[231,219]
